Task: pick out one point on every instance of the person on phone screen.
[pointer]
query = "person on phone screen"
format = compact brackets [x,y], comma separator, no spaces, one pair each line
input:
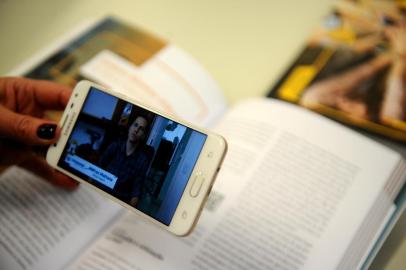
[129,161]
[23,126]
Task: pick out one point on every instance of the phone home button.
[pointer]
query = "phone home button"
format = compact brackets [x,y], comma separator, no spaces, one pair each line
[197,184]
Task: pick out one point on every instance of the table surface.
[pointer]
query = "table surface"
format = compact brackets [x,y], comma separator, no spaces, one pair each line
[245,45]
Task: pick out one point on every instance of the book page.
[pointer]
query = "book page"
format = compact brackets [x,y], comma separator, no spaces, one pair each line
[44,227]
[170,81]
[293,184]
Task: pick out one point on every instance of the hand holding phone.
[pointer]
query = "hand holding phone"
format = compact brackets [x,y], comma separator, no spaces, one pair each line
[152,164]
[24,129]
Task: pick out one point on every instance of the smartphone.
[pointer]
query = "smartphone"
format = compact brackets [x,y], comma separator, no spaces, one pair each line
[149,162]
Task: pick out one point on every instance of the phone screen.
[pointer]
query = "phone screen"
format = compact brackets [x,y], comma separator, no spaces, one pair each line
[135,155]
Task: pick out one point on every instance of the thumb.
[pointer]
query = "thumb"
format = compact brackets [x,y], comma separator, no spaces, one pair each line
[27,129]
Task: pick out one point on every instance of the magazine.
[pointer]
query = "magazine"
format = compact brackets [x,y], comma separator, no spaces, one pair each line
[352,68]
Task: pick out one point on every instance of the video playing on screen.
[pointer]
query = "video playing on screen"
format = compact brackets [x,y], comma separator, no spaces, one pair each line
[137,156]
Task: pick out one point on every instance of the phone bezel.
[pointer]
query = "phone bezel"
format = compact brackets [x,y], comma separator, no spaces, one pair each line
[208,162]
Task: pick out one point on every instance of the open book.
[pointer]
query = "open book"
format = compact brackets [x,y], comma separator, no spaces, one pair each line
[296,191]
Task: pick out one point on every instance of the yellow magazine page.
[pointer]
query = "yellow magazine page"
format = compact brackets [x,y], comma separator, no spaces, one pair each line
[353,68]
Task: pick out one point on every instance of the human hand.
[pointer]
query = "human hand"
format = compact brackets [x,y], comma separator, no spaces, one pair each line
[22,126]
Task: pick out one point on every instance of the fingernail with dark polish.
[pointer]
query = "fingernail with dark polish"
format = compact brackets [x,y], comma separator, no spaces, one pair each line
[46,131]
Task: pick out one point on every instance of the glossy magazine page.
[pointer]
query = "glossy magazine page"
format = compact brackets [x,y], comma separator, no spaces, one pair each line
[352,68]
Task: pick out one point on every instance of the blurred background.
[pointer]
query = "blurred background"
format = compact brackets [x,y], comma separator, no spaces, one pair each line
[250,40]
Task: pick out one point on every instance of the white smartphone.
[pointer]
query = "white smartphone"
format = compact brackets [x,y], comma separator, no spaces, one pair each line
[157,166]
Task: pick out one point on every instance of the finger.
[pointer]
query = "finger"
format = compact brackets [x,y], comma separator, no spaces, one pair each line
[51,95]
[27,129]
[38,166]
[46,94]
